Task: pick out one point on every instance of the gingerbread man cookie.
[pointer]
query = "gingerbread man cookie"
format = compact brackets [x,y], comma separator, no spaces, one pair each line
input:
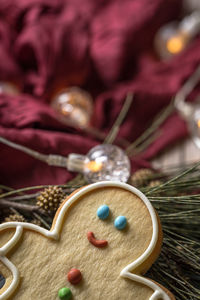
[103,238]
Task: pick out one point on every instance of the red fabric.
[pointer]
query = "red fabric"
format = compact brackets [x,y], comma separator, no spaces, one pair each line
[103,46]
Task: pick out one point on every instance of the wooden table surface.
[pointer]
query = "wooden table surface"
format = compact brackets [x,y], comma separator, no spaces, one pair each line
[183,152]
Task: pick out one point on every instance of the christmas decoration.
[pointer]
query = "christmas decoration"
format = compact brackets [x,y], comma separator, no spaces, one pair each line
[155,183]
[103,162]
[191,5]
[178,266]
[190,112]
[8,88]
[106,162]
[141,177]
[14,218]
[174,37]
[74,106]
[50,198]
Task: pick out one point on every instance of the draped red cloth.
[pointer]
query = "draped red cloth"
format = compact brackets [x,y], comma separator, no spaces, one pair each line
[105,47]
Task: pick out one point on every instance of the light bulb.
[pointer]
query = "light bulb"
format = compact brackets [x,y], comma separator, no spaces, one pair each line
[74,106]
[194,124]
[103,162]
[176,43]
[170,40]
[190,112]
[174,37]
[8,88]
[191,5]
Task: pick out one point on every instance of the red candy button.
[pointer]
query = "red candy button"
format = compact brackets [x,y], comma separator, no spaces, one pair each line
[74,276]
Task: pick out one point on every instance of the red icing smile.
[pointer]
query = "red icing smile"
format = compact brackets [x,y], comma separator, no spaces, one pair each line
[95,242]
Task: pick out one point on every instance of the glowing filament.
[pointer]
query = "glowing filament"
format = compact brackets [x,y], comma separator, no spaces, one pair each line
[176,44]
[198,123]
[94,166]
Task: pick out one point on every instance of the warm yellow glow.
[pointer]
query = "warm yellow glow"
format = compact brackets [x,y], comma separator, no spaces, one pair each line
[176,44]
[198,123]
[94,166]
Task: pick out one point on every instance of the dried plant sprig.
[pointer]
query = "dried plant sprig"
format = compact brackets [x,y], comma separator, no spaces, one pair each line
[144,145]
[42,220]
[159,119]
[179,264]
[38,187]
[174,179]
[116,126]
[141,177]
[21,206]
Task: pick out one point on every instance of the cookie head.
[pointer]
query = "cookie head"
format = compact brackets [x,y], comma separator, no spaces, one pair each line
[103,238]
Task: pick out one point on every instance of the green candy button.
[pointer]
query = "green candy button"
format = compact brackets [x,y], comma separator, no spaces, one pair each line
[65,294]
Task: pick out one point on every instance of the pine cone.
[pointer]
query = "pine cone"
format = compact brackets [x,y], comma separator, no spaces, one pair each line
[50,198]
[154,183]
[15,218]
[141,177]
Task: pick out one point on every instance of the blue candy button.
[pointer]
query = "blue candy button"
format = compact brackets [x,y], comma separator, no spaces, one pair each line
[120,222]
[103,212]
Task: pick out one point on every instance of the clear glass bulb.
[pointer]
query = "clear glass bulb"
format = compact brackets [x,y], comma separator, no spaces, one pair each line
[194,124]
[8,88]
[191,5]
[74,106]
[170,40]
[106,162]
[174,37]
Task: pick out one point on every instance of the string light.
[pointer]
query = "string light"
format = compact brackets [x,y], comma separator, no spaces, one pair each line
[94,166]
[176,44]
[194,124]
[74,106]
[106,162]
[103,162]
[8,88]
[174,37]
[190,112]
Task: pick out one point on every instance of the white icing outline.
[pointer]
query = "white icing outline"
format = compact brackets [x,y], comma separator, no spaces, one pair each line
[15,281]
[9,245]
[55,233]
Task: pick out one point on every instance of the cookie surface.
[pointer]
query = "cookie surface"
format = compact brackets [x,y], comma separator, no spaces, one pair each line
[37,263]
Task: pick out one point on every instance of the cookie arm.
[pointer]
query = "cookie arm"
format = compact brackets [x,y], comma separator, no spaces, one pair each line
[158,293]
[12,242]
[15,281]
[15,273]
